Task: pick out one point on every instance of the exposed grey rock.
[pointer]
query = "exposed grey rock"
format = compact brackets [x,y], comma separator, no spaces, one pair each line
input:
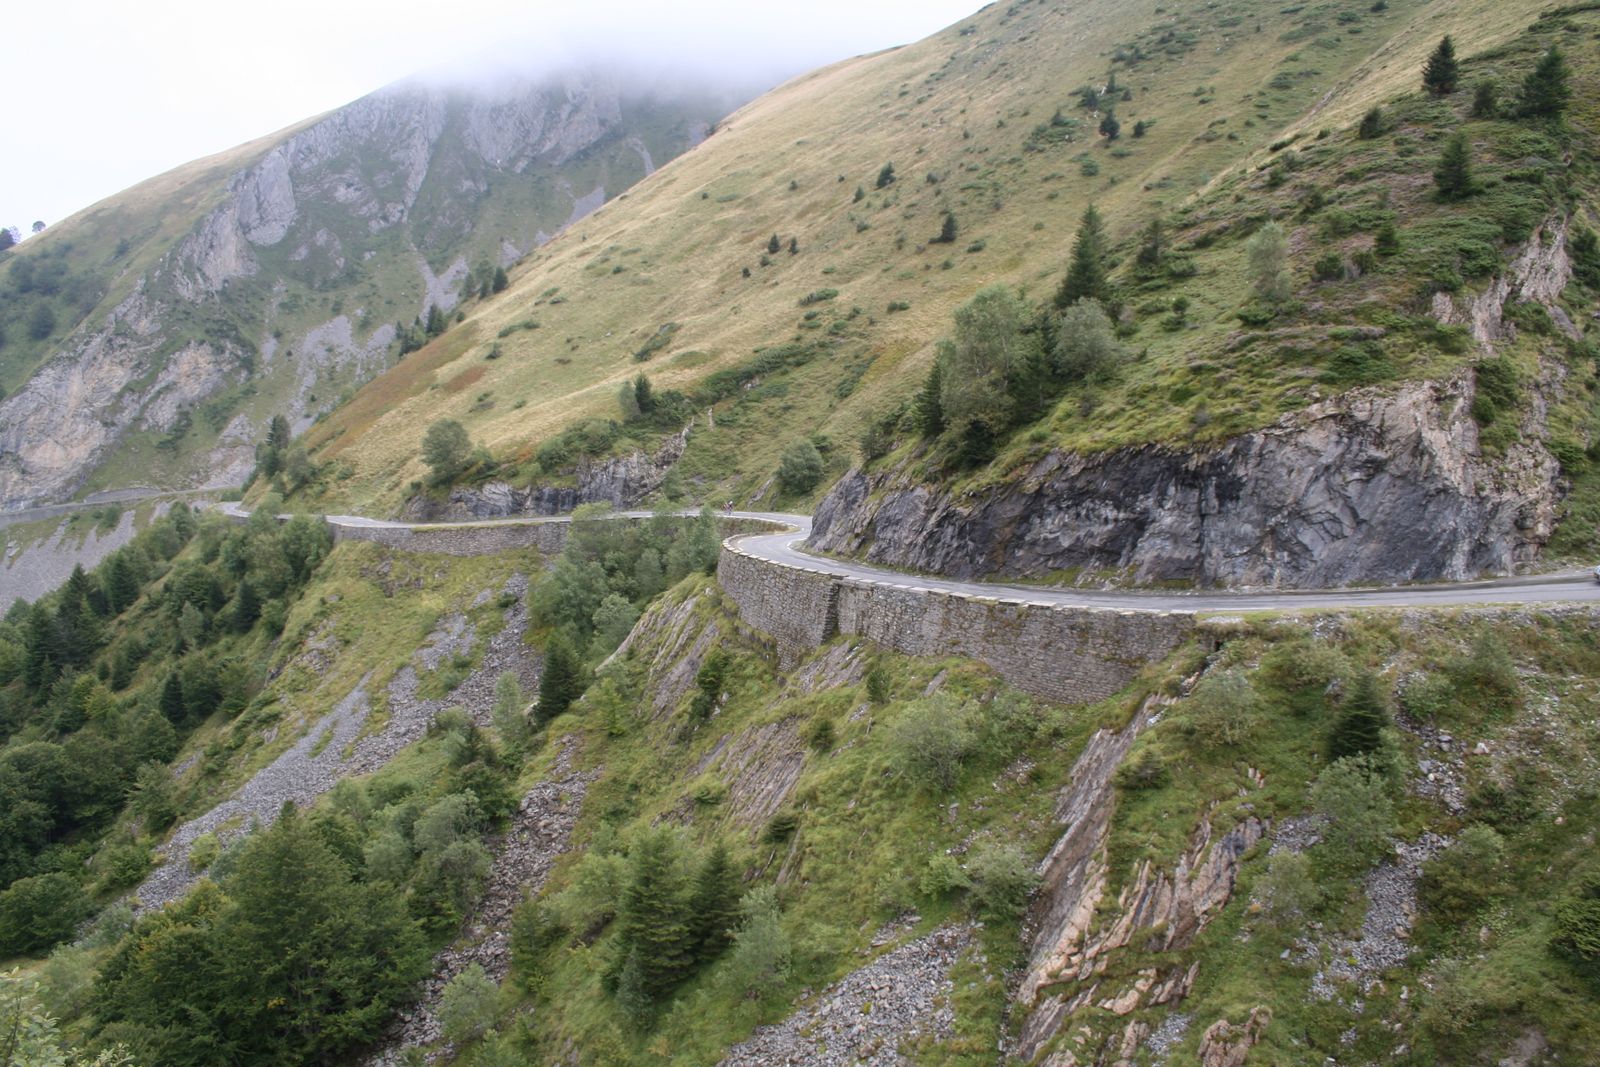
[1369,486]
[405,171]
[621,482]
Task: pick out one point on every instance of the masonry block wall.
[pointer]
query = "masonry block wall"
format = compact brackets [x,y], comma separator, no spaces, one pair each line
[547,537]
[1072,655]
[797,607]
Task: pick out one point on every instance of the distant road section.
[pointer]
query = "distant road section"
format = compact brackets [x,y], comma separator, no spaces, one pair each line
[786,547]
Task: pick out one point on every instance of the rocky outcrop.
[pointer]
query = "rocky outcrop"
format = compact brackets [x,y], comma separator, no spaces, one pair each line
[1226,1045]
[1072,933]
[1369,486]
[621,482]
[415,172]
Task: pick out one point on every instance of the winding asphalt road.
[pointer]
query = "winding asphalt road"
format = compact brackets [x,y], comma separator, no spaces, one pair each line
[784,547]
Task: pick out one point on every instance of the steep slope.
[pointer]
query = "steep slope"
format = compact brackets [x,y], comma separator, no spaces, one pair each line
[984,122]
[149,339]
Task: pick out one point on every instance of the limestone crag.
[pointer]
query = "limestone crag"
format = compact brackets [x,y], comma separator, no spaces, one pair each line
[1072,935]
[621,482]
[1373,485]
[1368,486]
[424,175]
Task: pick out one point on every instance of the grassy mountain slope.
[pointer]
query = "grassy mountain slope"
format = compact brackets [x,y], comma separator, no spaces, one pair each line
[981,121]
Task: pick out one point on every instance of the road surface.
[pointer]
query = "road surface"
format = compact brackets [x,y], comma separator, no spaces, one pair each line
[785,547]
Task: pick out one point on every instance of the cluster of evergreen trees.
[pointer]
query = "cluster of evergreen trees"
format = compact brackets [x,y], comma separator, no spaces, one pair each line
[1005,363]
[100,681]
[606,573]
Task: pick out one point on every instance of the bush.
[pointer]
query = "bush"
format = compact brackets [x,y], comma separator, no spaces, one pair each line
[800,469]
[467,1005]
[1352,797]
[1222,711]
[1328,268]
[40,912]
[941,876]
[1289,893]
[204,852]
[1458,882]
[1002,880]
[1086,344]
[760,960]
[1577,926]
[931,743]
[446,449]
[820,735]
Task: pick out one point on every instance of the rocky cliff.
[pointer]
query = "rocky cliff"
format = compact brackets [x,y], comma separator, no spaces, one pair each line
[1364,487]
[285,291]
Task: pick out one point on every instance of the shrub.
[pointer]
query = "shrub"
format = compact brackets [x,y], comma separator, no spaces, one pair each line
[941,876]
[40,912]
[1086,345]
[1371,125]
[1268,252]
[820,735]
[1222,711]
[931,742]
[1363,719]
[1002,880]
[204,852]
[1146,770]
[446,449]
[467,1005]
[1289,893]
[1352,797]
[878,684]
[1328,268]
[1486,674]
[1458,882]
[1577,926]
[800,469]
[759,963]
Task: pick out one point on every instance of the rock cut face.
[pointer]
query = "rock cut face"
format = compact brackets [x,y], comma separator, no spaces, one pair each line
[1367,487]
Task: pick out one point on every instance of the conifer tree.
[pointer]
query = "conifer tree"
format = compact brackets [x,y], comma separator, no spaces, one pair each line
[170,702]
[929,409]
[1453,175]
[560,682]
[1152,246]
[500,281]
[1485,100]
[1439,74]
[1545,92]
[1362,719]
[773,244]
[643,395]
[246,607]
[947,232]
[436,321]
[886,176]
[714,904]
[653,916]
[1086,273]
[1110,128]
[1371,124]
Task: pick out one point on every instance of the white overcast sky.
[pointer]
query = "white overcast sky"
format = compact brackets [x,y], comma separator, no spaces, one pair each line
[100,94]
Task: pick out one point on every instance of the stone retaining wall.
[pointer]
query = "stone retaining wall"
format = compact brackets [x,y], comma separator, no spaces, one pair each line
[1071,655]
[547,537]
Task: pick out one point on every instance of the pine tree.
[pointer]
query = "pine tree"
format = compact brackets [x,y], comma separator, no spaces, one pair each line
[886,176]
[1371,124]
[929,409]
[170,702]
[1110,128]
[1362,719]
[120,582]
[1439,73]
[246,607]
[1086,273]
[1545,92]
[713,904]
[1387,240]
[1139,128]
[794,246]
[1453,176]
[500,281]
[653,915]
[436,321]
[947,232]
[1152,247]
[774,245]
[560,682]
[643,395]
[1486,100]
